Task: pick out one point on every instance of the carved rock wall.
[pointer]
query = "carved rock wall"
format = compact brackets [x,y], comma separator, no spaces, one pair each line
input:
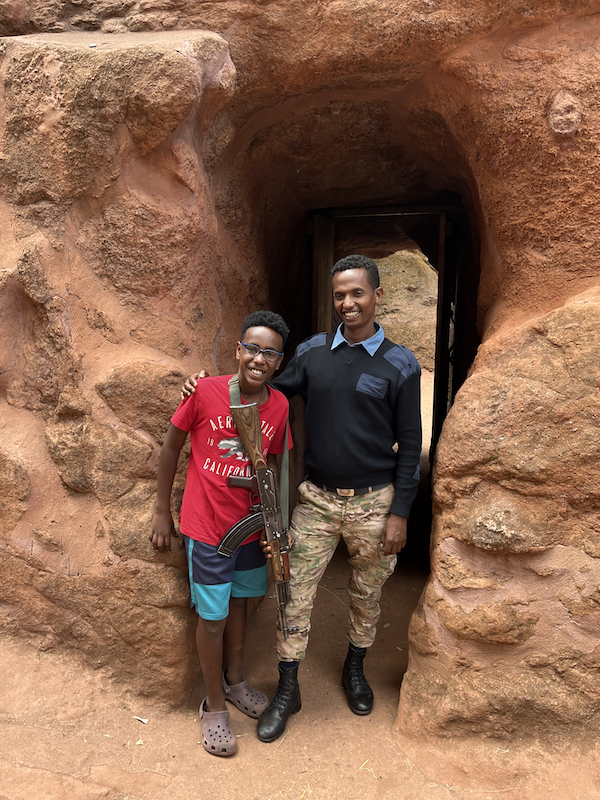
[149,200]
[504,640]
[113,286]
[408,309]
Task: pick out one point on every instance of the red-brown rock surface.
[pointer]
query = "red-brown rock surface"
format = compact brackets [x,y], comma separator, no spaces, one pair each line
[408,309]
[112,275]
[505,641]
[155,185]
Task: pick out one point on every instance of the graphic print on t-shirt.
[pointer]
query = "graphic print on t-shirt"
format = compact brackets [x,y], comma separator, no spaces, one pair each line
[232,448]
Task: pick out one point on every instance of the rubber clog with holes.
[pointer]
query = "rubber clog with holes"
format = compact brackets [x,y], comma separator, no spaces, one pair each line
[217,736]
[245,697]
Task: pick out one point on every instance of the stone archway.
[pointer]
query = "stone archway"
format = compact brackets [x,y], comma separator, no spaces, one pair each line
[150,198]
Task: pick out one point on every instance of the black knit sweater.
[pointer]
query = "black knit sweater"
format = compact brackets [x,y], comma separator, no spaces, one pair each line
[357,407]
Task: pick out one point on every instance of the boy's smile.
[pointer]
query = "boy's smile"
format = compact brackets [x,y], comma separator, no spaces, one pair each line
[255,370]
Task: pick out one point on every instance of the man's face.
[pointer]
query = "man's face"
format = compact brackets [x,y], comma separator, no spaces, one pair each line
[355,300]
[254,371]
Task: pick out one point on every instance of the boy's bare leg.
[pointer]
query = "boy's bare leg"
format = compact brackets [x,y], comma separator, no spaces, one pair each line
[209,643]
[234,638]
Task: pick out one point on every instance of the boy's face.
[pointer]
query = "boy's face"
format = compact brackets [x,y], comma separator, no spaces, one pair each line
[256,370]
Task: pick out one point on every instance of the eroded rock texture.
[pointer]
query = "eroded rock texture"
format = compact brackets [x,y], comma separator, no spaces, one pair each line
[409,305]
[513,601]
[112,275]
[155,188]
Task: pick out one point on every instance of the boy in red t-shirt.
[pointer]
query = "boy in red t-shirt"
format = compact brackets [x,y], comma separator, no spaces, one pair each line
[220,586]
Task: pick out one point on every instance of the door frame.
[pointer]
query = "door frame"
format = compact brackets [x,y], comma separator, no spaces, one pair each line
[452,226]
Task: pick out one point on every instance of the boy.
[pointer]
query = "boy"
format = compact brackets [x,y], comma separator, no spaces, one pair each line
[219,585]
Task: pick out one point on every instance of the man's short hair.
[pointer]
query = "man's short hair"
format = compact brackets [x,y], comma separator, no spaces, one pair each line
[358,262]
[266,319]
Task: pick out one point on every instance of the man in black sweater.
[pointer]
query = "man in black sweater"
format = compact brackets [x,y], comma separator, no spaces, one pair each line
[363,449]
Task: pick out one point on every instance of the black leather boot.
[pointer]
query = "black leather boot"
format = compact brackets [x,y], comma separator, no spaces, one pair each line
[358,691]
[271,723]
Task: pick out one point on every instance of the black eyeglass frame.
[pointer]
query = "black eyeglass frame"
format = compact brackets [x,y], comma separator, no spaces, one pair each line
[276,353]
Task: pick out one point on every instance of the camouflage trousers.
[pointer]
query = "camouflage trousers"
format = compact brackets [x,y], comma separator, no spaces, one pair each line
[320,519]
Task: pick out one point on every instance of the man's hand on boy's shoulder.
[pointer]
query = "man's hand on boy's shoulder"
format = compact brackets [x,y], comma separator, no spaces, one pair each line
[162,530]
[189,387]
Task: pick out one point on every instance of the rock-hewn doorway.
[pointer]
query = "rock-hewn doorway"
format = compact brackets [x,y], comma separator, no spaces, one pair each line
[440,231]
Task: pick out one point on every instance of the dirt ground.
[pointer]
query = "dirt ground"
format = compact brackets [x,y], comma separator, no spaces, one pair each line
[67,732]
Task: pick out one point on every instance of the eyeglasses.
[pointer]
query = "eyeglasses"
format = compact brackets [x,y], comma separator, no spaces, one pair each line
[253,350]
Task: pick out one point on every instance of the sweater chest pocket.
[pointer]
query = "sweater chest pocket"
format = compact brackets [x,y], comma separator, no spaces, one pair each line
[373,386]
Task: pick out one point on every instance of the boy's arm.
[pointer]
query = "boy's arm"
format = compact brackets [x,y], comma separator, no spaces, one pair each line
[162,522]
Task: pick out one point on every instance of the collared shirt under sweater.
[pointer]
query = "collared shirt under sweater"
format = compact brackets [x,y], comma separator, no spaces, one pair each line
[361,400]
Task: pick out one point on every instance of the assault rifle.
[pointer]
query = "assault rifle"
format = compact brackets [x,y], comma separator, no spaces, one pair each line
[267,514]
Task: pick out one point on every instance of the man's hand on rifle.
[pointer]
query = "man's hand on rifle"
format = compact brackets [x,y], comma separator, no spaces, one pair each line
[162,530]
[189,387]
[266,548]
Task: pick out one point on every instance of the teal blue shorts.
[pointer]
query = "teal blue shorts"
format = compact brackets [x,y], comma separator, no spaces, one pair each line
[215,578]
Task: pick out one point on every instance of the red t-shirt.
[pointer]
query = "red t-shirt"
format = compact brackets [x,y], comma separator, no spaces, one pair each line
[210,507]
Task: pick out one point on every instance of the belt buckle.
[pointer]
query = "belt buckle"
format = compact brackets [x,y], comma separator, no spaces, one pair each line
[345,492]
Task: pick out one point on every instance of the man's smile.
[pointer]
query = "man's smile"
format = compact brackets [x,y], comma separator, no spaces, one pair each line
[355,300]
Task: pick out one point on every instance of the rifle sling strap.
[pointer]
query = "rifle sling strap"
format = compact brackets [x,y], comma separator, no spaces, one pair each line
[235,399]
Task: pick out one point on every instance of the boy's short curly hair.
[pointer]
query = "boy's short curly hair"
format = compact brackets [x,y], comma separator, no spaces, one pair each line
[266,319]
[358,262]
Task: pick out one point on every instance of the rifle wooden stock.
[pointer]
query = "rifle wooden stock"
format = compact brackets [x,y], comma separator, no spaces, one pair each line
[247,422]
[276,560]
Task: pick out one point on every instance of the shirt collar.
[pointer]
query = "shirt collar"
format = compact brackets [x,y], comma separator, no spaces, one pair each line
[371,344]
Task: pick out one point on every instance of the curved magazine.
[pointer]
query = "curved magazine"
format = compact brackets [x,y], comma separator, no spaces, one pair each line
[238,533]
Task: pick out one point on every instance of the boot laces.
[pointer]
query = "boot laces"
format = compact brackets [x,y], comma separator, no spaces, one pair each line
[284,694]
[357,675]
